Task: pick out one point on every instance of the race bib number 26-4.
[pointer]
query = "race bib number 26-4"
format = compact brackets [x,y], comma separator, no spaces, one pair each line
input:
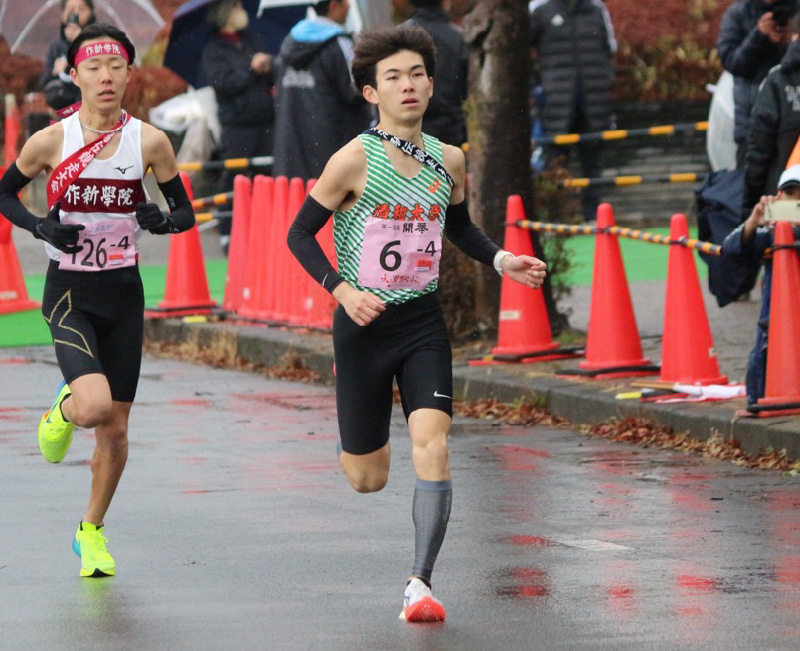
[106,245]
[400,254]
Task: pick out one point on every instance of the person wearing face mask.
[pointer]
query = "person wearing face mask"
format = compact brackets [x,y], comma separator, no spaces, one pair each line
[241,75]
[59,90]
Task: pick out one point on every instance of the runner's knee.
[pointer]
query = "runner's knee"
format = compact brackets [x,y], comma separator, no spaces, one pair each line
[367,481]
[430,450]
[89,412]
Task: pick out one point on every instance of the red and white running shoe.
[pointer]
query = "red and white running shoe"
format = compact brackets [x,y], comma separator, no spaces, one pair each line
[419,605]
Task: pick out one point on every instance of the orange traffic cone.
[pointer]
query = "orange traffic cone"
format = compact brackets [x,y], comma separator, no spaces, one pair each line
[186,287]
[613,348]
[13,129]
[237,253]
[782,390]
[295,290]
[687,351]
[256,302]
[523,333]
[320,302]
[279,251]
[13,293]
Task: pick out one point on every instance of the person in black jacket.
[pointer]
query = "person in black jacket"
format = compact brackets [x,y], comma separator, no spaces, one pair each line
[317,107]
[750,43]
[444,118]
[58,87]
[241,76]
[574,45]
[774,125]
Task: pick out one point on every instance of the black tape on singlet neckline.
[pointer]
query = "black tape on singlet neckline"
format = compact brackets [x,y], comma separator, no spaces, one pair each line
[415,152]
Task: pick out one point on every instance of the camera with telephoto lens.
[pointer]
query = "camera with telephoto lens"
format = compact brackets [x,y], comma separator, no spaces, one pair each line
[74,19]
[782,11]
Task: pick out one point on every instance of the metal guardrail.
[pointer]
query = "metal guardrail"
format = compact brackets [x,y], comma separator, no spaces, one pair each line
[214,200]
[229,164]
[620,134]
[621,181]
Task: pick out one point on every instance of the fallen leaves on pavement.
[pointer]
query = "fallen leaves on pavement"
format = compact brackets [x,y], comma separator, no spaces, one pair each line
[522,412]
[645,433]
[290,367]
[634,431]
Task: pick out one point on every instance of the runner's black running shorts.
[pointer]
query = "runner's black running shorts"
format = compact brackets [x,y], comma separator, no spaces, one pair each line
[96,320]
[408,342]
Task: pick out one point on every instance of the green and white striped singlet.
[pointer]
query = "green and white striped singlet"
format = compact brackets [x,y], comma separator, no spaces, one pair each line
[389,195]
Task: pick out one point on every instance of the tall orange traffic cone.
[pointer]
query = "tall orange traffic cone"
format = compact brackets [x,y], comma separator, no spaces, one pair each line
[186,287]
[320,302]
[295,290]
[782,390]
[256,303]
[613,348]
[237,253]
[12,129]
[523,333]
[13,293]
[279,251]
[687,350]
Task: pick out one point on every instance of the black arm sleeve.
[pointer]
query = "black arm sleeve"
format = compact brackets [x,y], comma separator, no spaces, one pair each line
[303,244]
[12,182]
[180,208]
[462,232]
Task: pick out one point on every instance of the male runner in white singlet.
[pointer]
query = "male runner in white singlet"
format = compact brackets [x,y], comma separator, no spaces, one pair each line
[95,160]
[394,192]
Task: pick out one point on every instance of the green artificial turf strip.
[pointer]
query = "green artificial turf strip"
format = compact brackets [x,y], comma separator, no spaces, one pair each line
[644,261]
[28,328]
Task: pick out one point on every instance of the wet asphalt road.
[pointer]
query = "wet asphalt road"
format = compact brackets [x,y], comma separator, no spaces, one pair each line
[233,528]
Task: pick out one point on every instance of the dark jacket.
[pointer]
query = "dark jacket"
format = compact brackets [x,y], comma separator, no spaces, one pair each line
[318,108]
[575,47]
[774,128]
[244,98]
[444,118]
[748,55]
[58,92]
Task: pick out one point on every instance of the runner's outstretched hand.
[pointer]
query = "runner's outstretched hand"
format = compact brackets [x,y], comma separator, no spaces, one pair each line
[62,236]
[524,269]
[362,307]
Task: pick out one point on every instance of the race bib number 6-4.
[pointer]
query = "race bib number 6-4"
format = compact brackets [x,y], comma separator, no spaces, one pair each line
[106,245]
[400,254]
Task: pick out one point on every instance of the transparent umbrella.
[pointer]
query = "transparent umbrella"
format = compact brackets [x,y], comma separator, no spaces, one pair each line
[29,27]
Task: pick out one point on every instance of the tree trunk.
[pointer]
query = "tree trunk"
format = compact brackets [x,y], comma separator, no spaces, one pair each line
[497,32]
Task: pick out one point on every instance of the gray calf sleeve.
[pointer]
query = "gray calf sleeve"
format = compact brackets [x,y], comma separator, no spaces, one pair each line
[431,512]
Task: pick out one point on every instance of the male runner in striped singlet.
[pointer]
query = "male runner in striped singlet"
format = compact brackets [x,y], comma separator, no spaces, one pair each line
[95,160]
[394,191]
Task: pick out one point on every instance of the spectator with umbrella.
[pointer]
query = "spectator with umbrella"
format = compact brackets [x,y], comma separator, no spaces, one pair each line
[59,90]
[241,75]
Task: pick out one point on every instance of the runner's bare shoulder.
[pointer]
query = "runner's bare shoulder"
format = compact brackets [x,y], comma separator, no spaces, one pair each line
[345,173]
[454,161]
[42,151]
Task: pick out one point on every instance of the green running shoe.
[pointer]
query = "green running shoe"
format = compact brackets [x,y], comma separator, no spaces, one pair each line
[90,546]
[55,432]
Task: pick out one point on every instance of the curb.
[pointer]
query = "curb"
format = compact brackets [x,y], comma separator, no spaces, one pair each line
[578,401]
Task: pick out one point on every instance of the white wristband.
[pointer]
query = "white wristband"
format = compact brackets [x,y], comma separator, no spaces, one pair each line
[497,258]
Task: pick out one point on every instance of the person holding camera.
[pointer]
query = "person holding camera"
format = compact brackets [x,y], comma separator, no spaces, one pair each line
[746,244]
[753,37]
[59,89]
[774,125]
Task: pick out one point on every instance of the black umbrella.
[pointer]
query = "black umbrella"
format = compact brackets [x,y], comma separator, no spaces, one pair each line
[270,21]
